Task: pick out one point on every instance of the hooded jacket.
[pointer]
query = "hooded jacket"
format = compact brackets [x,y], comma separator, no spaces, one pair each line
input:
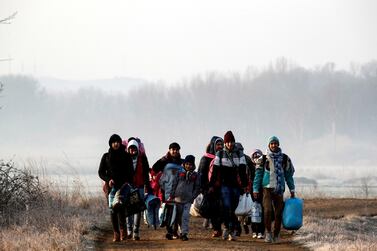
[205,161]
[140,167]
[168,180]
[116,165]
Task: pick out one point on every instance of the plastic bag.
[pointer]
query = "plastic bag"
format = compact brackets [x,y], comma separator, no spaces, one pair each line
[293,213]
[244,205]
[256,212]
[151,214]
[194,209]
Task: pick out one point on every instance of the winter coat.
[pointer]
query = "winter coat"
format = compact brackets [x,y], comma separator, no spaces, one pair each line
[161,163]
[140,168]
[187,186]
[205,161]
[116,165]
[168,180]
[265,175]
[250,173]
[232,168]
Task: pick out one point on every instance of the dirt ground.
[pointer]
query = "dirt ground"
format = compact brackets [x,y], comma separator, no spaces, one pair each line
[200,238]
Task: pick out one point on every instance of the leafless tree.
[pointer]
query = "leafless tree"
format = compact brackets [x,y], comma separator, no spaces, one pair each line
[365,186]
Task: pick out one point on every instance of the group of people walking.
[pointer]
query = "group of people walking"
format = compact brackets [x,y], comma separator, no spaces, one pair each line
[224,173]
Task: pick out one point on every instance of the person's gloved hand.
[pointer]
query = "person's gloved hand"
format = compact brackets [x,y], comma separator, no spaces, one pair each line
[255,195]
[292,194]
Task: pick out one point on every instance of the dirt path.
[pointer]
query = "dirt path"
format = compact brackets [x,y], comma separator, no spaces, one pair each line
[200,238]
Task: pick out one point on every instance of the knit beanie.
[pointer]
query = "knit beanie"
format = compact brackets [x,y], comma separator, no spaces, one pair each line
[228,137]
[174,145]
[115,138]
[190,159]
[272,139]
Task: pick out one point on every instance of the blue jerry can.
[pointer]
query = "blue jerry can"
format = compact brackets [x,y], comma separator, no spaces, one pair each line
[293,213]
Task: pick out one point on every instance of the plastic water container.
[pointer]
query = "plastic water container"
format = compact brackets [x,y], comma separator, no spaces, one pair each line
[256,212]
[293,213]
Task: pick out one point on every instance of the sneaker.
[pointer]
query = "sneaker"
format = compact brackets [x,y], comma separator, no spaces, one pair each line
[268,237]
[116,237]
[169,236]
[176,236]
[254,235]
[225,234]
[129,234]
[184,237]
[216,234]
[136,236]
[232,236]
[276,238]
[260,236]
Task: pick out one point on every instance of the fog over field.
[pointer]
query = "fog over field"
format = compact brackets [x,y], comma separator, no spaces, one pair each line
[325,118]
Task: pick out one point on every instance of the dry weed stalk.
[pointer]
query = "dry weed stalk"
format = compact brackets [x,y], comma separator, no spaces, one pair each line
[46,218]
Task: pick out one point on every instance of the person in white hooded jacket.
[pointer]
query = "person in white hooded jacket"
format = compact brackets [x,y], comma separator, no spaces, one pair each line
[141,181]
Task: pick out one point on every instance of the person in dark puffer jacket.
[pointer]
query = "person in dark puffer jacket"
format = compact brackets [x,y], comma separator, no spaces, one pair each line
[216,144]
[172,159]
[116,170]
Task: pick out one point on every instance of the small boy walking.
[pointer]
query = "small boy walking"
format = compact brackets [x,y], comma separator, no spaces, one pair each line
[186,189]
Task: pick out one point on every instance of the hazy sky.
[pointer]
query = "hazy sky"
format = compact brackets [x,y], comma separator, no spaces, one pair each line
[170,40]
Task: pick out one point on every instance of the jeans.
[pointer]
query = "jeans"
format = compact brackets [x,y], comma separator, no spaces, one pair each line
[230,197]
[183,216]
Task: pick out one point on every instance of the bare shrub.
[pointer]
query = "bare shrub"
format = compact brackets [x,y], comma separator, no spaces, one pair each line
[19,191]
[50,218]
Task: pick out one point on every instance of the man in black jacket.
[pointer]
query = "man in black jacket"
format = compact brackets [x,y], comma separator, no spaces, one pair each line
[116,170]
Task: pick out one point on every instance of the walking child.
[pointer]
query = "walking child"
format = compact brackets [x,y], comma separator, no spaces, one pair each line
[186,189]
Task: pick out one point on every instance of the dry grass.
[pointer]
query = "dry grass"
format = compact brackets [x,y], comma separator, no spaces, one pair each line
[57,220]
[348,233]
[60,224]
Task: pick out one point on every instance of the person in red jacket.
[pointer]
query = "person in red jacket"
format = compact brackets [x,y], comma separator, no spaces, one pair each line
[140,181]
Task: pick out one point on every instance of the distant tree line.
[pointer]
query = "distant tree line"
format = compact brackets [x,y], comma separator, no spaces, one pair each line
[296,103]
